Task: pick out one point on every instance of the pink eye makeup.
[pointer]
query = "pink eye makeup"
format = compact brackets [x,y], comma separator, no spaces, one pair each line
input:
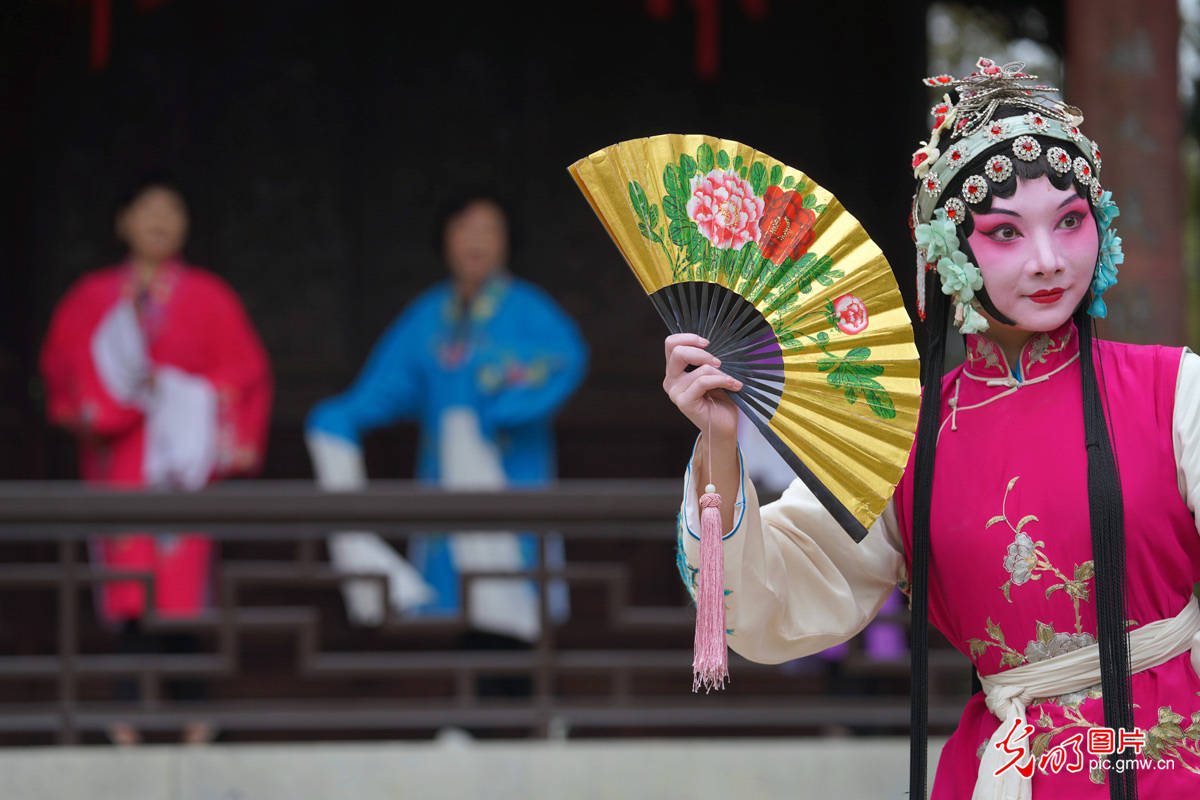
[1074,215]
[997,227]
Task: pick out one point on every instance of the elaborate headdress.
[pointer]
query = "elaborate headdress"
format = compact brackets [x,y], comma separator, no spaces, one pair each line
[967,129]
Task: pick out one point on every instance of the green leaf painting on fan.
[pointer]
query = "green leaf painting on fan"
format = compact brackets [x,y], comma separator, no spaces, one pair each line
[722,220]
[857,379]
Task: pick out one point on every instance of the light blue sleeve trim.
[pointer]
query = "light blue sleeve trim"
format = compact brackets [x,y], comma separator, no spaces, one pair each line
[687,573]
[739,505]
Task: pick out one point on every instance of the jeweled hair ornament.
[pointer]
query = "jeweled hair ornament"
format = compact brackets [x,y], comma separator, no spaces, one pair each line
[969,128]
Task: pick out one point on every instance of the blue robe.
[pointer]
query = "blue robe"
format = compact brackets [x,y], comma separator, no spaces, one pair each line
[514,358]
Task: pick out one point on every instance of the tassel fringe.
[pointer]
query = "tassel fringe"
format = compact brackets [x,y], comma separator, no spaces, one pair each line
[710,664]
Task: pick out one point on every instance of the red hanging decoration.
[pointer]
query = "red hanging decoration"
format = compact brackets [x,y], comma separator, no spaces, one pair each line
[707,40]
[101,30]
[101,39]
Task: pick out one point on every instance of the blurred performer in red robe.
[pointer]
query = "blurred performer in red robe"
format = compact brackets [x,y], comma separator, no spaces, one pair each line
[156,368]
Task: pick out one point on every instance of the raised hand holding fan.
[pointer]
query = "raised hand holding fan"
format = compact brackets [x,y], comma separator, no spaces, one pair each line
[795,299]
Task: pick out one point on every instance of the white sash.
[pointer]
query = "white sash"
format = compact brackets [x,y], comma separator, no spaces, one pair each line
[1009,692]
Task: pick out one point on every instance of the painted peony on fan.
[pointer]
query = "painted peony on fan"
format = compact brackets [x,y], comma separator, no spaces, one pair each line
[797,301]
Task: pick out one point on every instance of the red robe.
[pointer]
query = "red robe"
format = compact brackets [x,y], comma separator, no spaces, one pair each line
[190,320]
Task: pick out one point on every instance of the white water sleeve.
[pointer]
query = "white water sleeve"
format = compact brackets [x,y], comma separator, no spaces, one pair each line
[119,355]
[1185,431]
[795,582]
[181,430]
[339,467]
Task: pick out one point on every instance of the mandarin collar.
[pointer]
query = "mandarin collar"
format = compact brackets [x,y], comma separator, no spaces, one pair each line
[161,284]
[485,303]
[1043,354]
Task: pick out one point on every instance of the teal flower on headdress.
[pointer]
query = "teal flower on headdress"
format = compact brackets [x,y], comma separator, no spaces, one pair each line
[1106,210]
[1105,277]
[1111,255]
[938,238]
[959,277]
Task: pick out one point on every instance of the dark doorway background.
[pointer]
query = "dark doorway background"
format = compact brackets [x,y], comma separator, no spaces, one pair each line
[313,138]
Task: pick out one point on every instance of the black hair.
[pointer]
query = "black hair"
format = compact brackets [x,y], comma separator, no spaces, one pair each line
[1105,500]
[154,179]
[458,199]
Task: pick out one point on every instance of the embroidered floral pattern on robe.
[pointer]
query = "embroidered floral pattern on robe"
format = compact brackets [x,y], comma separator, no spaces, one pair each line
[1026,561]
[1044,345]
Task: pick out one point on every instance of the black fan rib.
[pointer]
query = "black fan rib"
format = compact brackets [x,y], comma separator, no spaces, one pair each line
[741,337]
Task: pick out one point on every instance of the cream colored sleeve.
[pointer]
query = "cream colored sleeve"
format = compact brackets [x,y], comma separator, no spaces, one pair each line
[795,582]
[1185,429]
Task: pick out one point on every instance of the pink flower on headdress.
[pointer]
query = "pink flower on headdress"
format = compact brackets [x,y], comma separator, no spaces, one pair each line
[923,159]
[725,209]
[988,67]
[940,113]
[851,314]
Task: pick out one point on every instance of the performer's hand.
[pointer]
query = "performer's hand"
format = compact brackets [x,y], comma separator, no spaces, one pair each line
[700,393]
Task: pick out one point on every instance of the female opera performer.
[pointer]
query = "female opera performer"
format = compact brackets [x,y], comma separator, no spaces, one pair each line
[1048,514]
[155,367]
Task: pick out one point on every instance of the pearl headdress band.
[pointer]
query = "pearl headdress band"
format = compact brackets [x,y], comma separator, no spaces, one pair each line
[971,130]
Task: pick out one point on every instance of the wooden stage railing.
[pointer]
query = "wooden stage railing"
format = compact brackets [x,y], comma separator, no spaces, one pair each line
[279,659]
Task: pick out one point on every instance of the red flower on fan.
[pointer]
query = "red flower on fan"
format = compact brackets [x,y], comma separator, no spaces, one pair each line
[851,314]
[786,226]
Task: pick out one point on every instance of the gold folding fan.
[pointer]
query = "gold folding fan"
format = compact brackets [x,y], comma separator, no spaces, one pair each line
[794,297]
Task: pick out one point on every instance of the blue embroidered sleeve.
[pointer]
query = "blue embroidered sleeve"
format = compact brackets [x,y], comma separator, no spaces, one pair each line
[389,387]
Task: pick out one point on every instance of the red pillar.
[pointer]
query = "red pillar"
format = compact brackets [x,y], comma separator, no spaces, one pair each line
[1122,71]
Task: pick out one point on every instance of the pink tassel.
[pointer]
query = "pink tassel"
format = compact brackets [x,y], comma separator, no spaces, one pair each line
[710,664]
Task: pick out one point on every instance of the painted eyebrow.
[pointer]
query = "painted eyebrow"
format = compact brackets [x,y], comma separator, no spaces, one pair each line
[1015,214]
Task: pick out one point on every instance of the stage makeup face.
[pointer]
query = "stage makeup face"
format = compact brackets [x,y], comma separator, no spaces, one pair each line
[1037,251]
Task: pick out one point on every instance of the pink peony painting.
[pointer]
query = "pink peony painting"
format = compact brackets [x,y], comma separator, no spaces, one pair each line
[725,209]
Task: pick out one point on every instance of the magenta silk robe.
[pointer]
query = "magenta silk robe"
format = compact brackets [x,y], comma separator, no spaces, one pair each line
[193,322]
[1011,564]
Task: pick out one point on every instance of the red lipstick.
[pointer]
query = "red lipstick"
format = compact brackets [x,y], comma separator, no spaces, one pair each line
[1047,296]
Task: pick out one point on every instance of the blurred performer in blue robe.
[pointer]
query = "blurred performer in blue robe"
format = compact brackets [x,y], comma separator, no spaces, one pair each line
[482,362]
